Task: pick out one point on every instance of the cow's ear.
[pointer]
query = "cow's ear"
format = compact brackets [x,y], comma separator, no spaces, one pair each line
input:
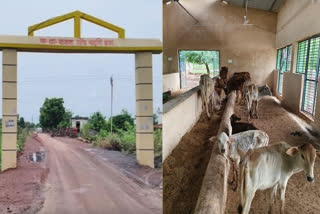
[292,151]
[318,155]
[213,139]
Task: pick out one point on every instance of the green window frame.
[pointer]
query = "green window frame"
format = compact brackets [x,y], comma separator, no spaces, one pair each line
[302,56]
[309,56]
[284,59]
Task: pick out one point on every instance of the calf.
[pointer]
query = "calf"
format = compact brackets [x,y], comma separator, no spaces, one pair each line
[253,95]
[208,94]
[236,146]
[238,127]
[272,166]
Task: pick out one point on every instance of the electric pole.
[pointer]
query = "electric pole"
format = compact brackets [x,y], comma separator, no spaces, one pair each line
[111,83]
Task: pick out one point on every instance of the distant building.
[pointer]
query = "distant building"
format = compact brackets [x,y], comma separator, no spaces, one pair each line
[78,122]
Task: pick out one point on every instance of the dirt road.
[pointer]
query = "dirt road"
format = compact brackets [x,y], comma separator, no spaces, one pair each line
[80,182]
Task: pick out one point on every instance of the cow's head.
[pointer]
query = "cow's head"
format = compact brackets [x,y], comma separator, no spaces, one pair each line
[234,118]
[265,90]
[306,155]
[222,140]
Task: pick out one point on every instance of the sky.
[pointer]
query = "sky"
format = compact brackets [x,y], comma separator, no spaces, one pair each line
[82,80]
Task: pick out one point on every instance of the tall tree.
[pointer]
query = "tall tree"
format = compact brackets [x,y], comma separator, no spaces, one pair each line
[21,123]
[52,113]
[119,121]
[200,57]
[66,122]
[97,121]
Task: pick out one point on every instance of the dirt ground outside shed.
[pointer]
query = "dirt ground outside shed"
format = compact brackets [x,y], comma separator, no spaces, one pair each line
[185,167]
[22,189]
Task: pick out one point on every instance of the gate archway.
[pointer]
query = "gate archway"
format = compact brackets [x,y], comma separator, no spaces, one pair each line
[142,48]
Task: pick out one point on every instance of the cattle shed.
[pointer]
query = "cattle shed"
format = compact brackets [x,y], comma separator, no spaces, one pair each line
[78,122]
[278,43]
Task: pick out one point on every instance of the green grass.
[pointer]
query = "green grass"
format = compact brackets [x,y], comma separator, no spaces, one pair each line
[126,139]
[201,69]
[22,136]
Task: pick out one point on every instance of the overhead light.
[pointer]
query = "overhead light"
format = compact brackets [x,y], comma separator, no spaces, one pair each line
[224,2]
[168,2]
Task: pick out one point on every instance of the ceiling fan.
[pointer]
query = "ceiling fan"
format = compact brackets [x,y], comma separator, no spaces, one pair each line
[245,20]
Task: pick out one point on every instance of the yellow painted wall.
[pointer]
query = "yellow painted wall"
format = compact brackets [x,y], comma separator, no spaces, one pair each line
[297,20]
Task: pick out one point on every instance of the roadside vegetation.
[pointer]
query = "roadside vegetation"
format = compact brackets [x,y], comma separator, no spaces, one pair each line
[123,136]
[24,130]
[54,116]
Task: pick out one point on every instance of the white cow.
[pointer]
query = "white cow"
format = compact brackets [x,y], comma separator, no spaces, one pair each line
[253,94]
[209,97]
[236,146]
[272,166]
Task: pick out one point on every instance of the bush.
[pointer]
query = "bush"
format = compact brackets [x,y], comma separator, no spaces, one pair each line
[107,141]
[22,136]
[119,121]
[158,142]
[97,121]
[127,138]
[87,133]
[97,131]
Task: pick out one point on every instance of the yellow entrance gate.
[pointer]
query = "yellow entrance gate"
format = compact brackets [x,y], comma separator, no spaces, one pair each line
[142,48]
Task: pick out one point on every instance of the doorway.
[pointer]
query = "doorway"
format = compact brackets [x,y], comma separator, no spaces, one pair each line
[194,63]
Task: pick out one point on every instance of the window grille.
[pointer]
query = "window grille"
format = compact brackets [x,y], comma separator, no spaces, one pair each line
[284,58]
[311,66]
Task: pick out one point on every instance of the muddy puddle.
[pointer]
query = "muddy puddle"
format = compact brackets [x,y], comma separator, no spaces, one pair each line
[37,156]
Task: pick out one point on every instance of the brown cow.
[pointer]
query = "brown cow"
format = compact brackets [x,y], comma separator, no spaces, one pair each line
[238,82]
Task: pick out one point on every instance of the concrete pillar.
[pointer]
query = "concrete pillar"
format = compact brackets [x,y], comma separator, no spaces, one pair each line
[144,109]
[9,109]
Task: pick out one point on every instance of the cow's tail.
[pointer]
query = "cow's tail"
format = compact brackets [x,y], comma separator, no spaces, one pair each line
[267,139]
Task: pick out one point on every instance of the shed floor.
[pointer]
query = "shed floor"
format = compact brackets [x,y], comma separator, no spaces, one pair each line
[185,167]
[301,196]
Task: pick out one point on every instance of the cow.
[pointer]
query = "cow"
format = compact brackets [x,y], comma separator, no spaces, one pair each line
[238,82]
[209,96]
[272,166]
[253,95]
[223,74]
[236,146]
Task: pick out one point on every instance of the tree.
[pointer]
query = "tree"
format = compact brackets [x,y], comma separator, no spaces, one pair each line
[66,122]
[200,57]
[155,119]
[52,113]
[97,121]
[30,125]
[21,123]
[119,121]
